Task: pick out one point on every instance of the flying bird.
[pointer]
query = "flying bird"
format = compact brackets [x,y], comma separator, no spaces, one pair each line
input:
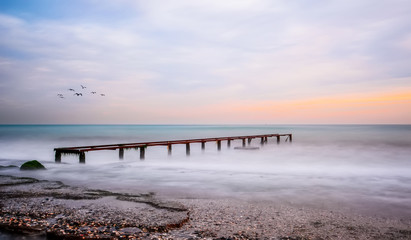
[60,95]
[78,94]
[93,92]
[82,87]
[103,95]
[70,89]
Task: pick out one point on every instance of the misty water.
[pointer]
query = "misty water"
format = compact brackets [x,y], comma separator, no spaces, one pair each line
[363,168]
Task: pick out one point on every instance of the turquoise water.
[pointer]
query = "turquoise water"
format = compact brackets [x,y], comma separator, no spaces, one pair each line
[365,168]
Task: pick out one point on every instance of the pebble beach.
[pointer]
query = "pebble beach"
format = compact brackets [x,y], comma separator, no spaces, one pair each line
[53,210]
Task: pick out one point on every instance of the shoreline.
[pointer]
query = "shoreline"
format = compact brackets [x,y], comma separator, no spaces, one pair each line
[59,211]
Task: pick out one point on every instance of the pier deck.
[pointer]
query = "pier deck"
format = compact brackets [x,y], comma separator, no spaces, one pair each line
[80,151]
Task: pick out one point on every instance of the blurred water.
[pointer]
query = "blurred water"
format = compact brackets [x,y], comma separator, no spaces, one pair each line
[361,167]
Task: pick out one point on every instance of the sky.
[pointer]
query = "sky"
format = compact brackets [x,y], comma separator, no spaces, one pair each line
[205,62]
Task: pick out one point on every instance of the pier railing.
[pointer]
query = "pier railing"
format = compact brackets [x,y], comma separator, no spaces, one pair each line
[80,151]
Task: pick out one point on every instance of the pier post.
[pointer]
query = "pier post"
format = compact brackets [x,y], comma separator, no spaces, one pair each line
[202,145]
[169,148]
[278,139]
[57,157]
[188,149]
[243,142]
[229,143]
[291,137]
[121,153]
[219,145]
[265,139]
[142,152]
[82,157]
[249,141]
[262,141]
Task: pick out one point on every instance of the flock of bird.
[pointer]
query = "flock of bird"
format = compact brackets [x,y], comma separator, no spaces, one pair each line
[78,94]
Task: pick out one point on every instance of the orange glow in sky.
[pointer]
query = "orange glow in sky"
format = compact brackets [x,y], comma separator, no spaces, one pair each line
[389,107]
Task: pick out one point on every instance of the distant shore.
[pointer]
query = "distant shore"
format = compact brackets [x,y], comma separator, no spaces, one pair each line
[56,211]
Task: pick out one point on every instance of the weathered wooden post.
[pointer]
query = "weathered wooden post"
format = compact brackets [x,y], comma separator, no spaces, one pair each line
[82,157]
[278,139]
[265,139]
[57,157]
[291,137]
[142,152]
[121,153]
[188,149]
[229,143]
[202,145]
[218,145]
[262,141]
[169,148]
[249,140]
[243,142]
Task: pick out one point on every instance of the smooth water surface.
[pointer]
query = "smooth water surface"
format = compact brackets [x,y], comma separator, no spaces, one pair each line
[366,168]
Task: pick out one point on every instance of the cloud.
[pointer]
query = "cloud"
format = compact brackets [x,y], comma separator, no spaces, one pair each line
[162,58]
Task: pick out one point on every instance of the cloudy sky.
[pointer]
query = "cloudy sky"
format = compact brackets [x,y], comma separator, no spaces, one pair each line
[211,62]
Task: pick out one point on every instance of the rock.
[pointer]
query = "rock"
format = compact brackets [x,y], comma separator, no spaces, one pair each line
[32,165]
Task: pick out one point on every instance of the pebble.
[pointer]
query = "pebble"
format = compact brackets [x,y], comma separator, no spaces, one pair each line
[38,208]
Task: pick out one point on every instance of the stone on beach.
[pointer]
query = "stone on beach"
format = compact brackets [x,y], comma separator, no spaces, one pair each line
[32,165]
[63,212]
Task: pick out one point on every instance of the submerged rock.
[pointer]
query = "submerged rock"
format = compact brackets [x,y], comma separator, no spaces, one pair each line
[246,148]
[32,165]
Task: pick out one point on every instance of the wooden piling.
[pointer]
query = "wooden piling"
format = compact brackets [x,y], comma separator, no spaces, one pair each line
[243,142]
[169,148]
[262,141]
[202,145]
[291,137]
[121,153]
[142,153]
[57,157]
[188,149]
[278,139]
[82,157]
[249,141]
[219,145]
[229,143]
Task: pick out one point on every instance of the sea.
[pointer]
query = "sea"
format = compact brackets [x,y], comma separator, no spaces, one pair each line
[361,168]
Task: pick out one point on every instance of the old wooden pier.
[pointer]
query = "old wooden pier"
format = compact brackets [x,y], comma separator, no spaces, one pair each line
[80,151]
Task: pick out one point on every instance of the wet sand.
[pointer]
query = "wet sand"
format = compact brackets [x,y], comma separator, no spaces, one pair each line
[54,210]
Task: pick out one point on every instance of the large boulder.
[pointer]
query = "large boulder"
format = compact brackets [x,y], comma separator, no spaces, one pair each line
[32,165]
